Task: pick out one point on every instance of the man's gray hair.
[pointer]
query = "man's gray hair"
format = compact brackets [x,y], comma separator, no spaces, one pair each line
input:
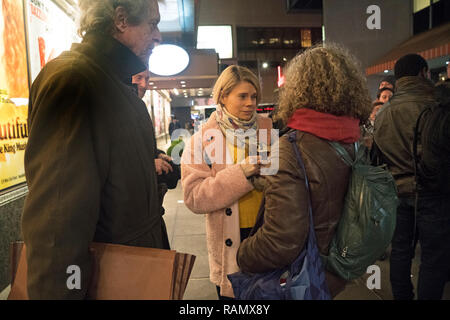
[98,15]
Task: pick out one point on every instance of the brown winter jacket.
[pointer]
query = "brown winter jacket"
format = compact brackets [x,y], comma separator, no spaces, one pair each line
[284,229]
[394,129]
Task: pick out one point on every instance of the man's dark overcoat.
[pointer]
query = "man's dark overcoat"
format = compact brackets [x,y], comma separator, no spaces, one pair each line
[89,165]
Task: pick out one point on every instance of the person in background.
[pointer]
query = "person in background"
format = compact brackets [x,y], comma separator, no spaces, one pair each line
[174,125]
[367,128]
[385,92]
[222,189]
[321,107]
[421,215]
[89,161]
[162,161]
[385,95]
[140,81]
[168,172]
[387,82]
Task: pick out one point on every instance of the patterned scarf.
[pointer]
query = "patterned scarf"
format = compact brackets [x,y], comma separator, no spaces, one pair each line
[236,128]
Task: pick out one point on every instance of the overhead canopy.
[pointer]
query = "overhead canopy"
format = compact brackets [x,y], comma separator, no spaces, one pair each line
[432,44]
[202,72]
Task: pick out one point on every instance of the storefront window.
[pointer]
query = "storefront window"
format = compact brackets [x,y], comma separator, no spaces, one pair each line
[306,38]
[420,4]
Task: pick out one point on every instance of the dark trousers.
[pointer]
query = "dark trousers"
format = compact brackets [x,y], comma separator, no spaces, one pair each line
[433,234]
[245,232]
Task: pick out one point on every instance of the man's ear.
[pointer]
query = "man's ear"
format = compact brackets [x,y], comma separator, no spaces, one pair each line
[423,73]
[120,19]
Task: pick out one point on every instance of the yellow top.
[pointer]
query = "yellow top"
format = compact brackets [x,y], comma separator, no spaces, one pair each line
[248,204]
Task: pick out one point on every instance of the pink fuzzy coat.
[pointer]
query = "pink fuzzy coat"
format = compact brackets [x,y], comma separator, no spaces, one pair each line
[215,191]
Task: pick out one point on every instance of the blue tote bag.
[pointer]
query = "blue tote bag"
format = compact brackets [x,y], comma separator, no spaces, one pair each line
[304,279]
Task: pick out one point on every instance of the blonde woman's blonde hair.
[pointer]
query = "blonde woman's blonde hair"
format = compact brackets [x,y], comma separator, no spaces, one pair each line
[230,78]
[325,78]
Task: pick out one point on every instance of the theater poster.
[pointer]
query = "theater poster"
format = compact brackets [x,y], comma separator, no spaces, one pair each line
[50,32]
[13,94]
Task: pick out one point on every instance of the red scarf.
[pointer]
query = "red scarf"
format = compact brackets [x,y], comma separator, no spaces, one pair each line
[326,126]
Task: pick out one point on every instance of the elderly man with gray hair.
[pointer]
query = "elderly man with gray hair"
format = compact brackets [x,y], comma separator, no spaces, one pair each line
[89,162]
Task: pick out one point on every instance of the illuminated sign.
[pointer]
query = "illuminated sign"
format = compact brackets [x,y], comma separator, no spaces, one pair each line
[265,108]
[281,78]
[219,38]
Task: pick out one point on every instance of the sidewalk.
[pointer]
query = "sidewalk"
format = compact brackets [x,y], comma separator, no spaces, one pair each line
[187,234]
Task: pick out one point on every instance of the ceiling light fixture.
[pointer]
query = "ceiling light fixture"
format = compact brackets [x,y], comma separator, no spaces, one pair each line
[168,60]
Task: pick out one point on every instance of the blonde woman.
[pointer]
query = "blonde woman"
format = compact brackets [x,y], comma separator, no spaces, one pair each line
[324,99]
[216,171]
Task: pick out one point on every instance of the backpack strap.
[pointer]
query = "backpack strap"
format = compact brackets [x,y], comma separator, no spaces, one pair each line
[311,249]
[293,139]
[343,153]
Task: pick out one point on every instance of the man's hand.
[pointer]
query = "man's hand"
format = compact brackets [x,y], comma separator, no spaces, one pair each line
[164,157]
[162,165]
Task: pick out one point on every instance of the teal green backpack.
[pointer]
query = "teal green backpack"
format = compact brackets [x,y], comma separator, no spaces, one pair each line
[368,220]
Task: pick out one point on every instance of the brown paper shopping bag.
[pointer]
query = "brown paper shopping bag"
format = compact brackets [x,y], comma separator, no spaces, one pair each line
[122,273]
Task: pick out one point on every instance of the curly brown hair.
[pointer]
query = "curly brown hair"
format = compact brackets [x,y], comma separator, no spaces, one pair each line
[325,78]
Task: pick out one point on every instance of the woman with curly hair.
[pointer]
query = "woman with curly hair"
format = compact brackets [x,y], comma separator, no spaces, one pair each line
[325,98]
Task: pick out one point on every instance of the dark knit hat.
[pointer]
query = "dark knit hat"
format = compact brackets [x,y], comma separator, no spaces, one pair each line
[390,79]
[409,65]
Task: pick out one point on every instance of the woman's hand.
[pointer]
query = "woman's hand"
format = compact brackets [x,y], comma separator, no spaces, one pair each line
[251,166]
